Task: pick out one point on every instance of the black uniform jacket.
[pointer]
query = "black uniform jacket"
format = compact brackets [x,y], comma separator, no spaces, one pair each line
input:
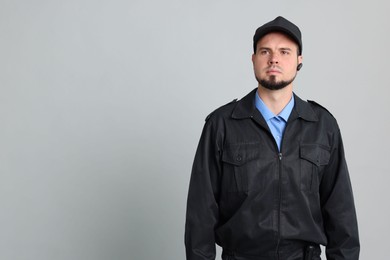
[258,203]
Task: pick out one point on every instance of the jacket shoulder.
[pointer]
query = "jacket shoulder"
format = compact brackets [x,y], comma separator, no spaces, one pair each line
[222,109]
[319,107]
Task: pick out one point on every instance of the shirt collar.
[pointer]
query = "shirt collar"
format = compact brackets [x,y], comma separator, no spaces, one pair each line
[245,108]
[267,114]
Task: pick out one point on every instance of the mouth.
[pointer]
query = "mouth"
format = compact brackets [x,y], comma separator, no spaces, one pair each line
[273,71]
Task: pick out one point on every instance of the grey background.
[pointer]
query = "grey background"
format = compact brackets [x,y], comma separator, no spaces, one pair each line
[102,105]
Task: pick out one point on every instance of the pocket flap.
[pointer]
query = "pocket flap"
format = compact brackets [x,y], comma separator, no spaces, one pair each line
[239,154]
[314,153]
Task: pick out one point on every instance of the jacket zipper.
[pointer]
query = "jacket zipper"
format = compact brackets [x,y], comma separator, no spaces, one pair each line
[280,157]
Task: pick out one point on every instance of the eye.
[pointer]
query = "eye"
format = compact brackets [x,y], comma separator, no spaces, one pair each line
[264,52]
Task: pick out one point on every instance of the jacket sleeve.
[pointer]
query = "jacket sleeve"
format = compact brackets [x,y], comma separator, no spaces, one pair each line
[202,207]
[338,207]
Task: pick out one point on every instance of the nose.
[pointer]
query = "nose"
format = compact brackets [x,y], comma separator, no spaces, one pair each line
[273,59]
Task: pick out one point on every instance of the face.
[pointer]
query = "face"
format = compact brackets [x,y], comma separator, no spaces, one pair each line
[275,61]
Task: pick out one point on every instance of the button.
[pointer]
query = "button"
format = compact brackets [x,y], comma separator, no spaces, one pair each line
[238,158]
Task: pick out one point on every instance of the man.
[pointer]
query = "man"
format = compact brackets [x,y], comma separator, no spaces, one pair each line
[269,179]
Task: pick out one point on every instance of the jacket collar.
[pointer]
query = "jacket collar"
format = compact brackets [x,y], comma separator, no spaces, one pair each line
[246,108]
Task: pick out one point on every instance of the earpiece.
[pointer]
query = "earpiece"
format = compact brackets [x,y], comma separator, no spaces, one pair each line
[299,66]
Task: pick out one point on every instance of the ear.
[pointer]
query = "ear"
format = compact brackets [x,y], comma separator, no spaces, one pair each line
[300,59]
[300,64]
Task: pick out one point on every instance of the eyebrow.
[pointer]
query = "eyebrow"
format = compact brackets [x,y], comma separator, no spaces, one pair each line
[282,48]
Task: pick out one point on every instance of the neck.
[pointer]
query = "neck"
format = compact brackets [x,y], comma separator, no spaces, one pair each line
[275,100]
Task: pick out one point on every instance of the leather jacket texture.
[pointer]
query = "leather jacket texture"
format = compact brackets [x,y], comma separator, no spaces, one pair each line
[257,202]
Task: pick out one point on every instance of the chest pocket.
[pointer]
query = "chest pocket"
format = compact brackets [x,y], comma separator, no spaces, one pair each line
[314,158]
[237,160]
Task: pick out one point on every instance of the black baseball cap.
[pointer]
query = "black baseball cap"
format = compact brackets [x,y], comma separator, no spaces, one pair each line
[279,24]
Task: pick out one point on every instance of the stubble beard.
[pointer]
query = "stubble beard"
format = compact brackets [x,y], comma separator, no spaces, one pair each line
[272,84]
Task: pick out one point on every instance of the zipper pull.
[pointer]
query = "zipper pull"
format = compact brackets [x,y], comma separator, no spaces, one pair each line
[280,156]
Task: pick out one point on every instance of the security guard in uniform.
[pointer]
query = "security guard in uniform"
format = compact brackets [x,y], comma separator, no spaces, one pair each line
[269,179]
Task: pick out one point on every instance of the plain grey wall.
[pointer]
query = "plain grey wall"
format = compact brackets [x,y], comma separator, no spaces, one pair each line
[102,104]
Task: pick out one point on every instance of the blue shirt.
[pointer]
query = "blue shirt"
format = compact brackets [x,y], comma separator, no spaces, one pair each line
[276,123]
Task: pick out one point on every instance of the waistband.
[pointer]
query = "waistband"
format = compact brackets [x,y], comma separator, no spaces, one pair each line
[297,252]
